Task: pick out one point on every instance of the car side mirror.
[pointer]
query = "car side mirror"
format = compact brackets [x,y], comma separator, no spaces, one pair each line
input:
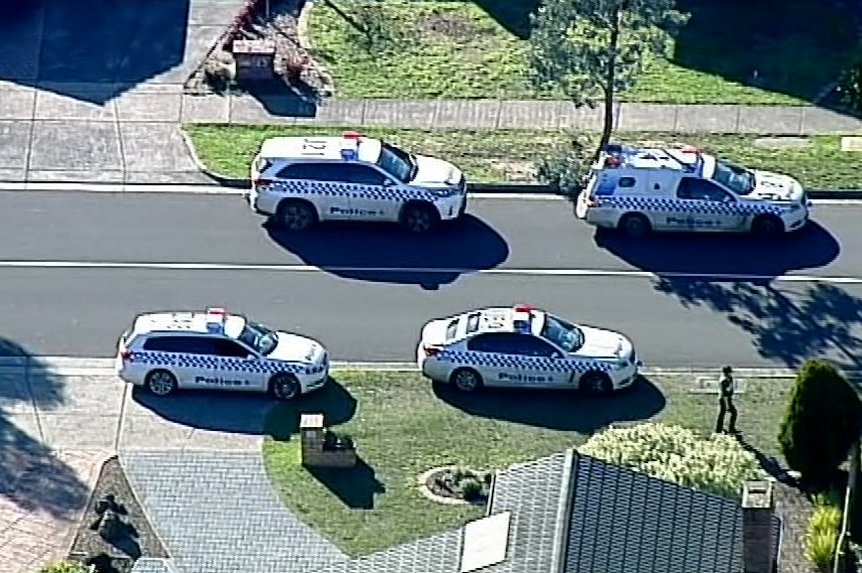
[388,183]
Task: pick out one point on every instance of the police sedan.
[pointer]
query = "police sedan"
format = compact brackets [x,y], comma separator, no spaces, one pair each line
[523,346]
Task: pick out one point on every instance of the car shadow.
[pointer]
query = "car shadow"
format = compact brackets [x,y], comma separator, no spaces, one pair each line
[559,410]
[355,487]
[60,45]
[32,477]
[375,253]
[723,255]
[246,414]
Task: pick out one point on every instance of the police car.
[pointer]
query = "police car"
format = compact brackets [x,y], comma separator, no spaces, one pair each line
[169,351]
[638,190]
[523,346]
[302,180]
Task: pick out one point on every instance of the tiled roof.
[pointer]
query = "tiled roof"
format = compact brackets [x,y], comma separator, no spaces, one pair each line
[624,521]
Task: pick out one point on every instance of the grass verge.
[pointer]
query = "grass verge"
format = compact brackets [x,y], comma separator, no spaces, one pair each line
[478,49]
[402,428]
[511,155]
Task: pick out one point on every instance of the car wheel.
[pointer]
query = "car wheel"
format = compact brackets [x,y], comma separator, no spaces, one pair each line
[285,387]
[596,384]
[767,226]
[419,218]
[634,225]
[466,380]
[161,382]
[296,215]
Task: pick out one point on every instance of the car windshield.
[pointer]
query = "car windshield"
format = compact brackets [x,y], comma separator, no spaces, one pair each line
[564,334]
[397,162]
[261,338]
[736,178]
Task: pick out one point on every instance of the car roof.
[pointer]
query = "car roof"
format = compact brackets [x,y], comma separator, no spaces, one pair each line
[684,159]
[197,322]
[500,319]
[320,148]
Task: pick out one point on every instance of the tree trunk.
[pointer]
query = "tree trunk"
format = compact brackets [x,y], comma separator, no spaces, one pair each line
[610,80]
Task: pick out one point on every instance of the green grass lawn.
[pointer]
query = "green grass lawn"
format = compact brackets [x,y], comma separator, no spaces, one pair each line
[477,49]
[510,155]
[402,428]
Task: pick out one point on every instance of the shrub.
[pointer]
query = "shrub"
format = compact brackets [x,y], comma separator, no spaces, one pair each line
[821,422]
[471,489]
[567,164]
[717,464]
[821,536]
[850,87]
[67,566]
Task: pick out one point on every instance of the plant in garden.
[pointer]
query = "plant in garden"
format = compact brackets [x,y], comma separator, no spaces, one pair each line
[850,87]
[716,464]
[67,566]
[821,422]
[821,536]
[565,167]
[593,49]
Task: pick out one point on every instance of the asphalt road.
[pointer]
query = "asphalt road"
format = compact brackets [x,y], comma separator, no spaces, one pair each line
[363,311]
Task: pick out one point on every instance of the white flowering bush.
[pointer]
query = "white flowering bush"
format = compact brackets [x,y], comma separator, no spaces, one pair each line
[717,464]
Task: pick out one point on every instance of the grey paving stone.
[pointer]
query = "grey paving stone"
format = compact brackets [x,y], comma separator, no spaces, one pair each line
[167,178]
[16,395]
[80,430]
[707,118]
[148,565]
[17,102]
[819,120]
[467,114]
[75,146]
[75,104]
[209,13]
[529,115]
[13,175]
[647,117]
[14,144]
[205,109]
[777,120]
[403,113]
[198,41]
[149,107]
[75,176]
[217,513]
[27,423]
[340,112]
[88,394]
[246,109]
[573,117]
[156,147]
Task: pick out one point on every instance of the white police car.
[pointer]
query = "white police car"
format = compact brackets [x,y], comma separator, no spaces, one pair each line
[522,346]
[638,190]
[167,351]
[302,180]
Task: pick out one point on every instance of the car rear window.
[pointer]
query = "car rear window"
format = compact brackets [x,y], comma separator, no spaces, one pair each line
[473,322]
[262,164]
[452,328]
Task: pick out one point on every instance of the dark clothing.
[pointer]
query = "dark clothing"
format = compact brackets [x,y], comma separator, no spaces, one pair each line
[726,405]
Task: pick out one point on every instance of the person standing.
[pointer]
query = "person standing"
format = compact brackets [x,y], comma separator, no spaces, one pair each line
[726,387]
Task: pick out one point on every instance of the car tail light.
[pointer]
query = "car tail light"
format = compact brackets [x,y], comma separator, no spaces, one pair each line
[262,182]
[431,350]
[125,354]
[593,202]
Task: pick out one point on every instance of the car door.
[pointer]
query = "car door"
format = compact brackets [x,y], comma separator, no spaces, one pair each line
[545,365]
[177,354]
[314,181]
[704,206]
[374,196]
[491,354]
[237,367]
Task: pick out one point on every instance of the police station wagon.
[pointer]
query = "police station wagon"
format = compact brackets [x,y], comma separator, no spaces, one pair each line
[522,346]
[169,351]
[300,181]
[638,190]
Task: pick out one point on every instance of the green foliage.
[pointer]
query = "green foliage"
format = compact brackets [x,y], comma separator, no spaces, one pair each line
[821,536]
[67,566]
[821,422]
[375,28]
[471,489]
[850,88]
[572,44]
[567,164]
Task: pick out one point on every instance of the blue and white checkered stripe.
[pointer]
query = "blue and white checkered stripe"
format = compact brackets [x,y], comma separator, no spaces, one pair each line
[487,360]
[167,359]
[692,207]
[399,194]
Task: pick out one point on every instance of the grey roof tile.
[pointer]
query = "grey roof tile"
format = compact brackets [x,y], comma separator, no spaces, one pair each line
[149,565]
[624,521]
[217,513]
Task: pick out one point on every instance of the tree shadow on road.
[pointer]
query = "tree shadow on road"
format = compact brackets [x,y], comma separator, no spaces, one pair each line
[32,477]
[559,410]
[787,323]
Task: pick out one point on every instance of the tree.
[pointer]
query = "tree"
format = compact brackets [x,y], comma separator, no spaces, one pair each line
[821,422]
[593,49]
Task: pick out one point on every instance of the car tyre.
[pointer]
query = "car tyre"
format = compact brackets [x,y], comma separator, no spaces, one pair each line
[466,380]
[596,384]
[285,387]
[161,383]
[295,215]
[634,225]
[767,226]
[419,218]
